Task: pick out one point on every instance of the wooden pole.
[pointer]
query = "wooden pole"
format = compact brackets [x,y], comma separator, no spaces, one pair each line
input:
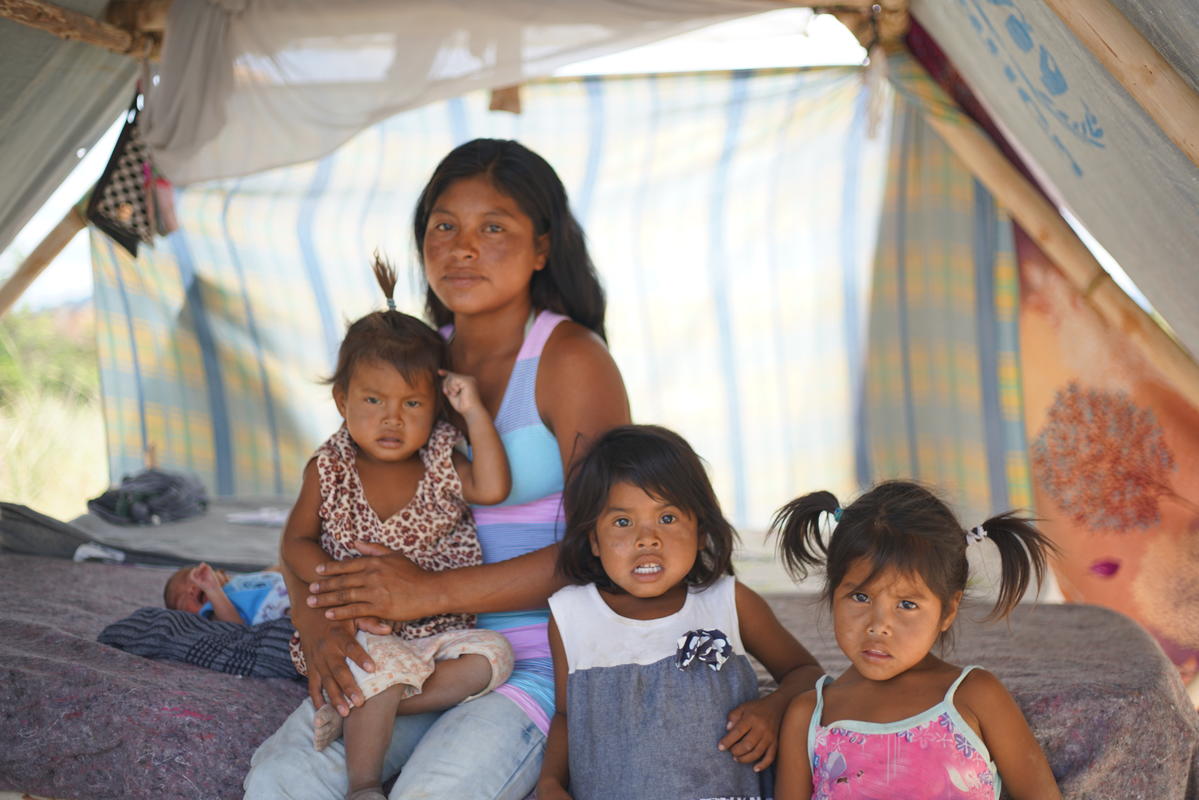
[505,98]
[73,26]
[146,16]
[42,255]
[1041,221]
[1166,97]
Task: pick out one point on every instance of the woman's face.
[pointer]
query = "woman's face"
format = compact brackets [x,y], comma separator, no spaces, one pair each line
[480,248]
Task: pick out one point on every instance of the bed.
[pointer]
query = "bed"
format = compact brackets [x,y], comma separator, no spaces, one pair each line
[84,720]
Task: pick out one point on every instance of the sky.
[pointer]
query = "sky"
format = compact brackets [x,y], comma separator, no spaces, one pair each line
[784,38]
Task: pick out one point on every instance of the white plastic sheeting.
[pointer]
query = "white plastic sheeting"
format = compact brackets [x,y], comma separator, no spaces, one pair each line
[56,98]
[1093,146]
[246,85]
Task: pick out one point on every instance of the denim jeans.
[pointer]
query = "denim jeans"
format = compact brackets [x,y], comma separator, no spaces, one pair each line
[484,749]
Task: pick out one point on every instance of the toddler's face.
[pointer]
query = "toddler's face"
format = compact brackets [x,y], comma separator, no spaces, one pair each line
[646,544]
[890,624]
[388,418]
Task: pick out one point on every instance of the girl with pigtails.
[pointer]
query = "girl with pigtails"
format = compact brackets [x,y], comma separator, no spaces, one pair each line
[900,721]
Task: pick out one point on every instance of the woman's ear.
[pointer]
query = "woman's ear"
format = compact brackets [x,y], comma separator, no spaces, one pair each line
[951,611]
[591,537]
[541,246]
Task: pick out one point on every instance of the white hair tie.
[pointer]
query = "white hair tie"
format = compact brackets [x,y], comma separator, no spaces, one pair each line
[975,535]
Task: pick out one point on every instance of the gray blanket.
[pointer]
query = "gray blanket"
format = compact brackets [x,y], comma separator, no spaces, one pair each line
[83,720]
[80,719]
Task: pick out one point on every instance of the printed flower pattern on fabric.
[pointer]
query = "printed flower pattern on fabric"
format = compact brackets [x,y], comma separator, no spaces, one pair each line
[926,761]
[435,530]
[709,647]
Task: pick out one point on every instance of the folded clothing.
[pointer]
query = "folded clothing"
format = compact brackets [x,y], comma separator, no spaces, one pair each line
[151,497]
[258,650]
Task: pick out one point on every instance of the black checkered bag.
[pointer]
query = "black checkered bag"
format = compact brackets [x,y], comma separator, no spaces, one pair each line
[118,205]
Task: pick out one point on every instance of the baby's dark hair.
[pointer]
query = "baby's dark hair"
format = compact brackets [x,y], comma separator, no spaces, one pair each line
[660,463]
[905,525]
[394,338]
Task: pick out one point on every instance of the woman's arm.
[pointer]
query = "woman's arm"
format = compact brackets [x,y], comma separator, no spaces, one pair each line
[580,395]
[555,765]
[300,548]
[326,644]
[754,726]
[392,587]
[1021,762]
[579,390]
[793,779]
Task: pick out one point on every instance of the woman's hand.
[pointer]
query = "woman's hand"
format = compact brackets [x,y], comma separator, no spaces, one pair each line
[326,647]
[381,584]
[754,731]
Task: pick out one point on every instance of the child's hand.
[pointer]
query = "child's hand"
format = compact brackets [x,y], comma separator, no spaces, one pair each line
[461,391]
[206,578]
[754,732]
[551,790]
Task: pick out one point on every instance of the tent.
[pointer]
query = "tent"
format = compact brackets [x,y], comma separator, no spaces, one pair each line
[890,291]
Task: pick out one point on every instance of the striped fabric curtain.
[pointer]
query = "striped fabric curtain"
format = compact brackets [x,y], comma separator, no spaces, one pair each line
[732,217]
[942,399]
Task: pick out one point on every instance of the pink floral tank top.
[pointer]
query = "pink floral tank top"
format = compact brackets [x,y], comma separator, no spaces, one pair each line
[435,529]
[934,755]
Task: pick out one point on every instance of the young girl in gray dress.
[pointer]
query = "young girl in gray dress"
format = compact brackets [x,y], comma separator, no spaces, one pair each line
[655,693]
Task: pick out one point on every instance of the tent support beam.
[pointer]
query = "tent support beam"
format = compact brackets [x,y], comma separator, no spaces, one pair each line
[42,255]
[1166,97]
[73,26]
[1042,222]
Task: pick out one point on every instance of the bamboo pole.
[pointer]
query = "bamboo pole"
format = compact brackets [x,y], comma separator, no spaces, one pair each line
[42,255]
[1042,222]
[73,26]
[1164,94]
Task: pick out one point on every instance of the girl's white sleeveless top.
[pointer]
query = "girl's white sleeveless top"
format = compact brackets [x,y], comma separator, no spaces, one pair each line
[645,704]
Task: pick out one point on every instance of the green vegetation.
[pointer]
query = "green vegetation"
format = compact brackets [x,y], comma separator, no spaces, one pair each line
[52,447]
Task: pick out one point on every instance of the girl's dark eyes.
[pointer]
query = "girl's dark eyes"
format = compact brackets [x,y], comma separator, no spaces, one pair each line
[493,228]
[859,597]
[667,519]
[622,522]
[443,226]
[413,403]
[371,400]
[908,605]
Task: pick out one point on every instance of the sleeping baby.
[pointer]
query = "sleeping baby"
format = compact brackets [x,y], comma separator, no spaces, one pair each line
[244,598]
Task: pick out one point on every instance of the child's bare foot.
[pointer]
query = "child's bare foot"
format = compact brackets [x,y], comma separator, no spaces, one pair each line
[369,793]
[326,727]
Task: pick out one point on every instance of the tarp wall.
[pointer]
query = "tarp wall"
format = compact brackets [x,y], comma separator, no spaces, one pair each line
[943,382]
[731,215]
[56,97]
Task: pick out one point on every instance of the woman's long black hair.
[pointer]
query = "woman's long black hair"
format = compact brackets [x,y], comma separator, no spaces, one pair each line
[568,284]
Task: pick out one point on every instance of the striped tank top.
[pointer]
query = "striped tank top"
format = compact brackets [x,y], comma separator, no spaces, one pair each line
[530,519]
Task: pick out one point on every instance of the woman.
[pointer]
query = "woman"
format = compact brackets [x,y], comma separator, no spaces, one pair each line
[512,287]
